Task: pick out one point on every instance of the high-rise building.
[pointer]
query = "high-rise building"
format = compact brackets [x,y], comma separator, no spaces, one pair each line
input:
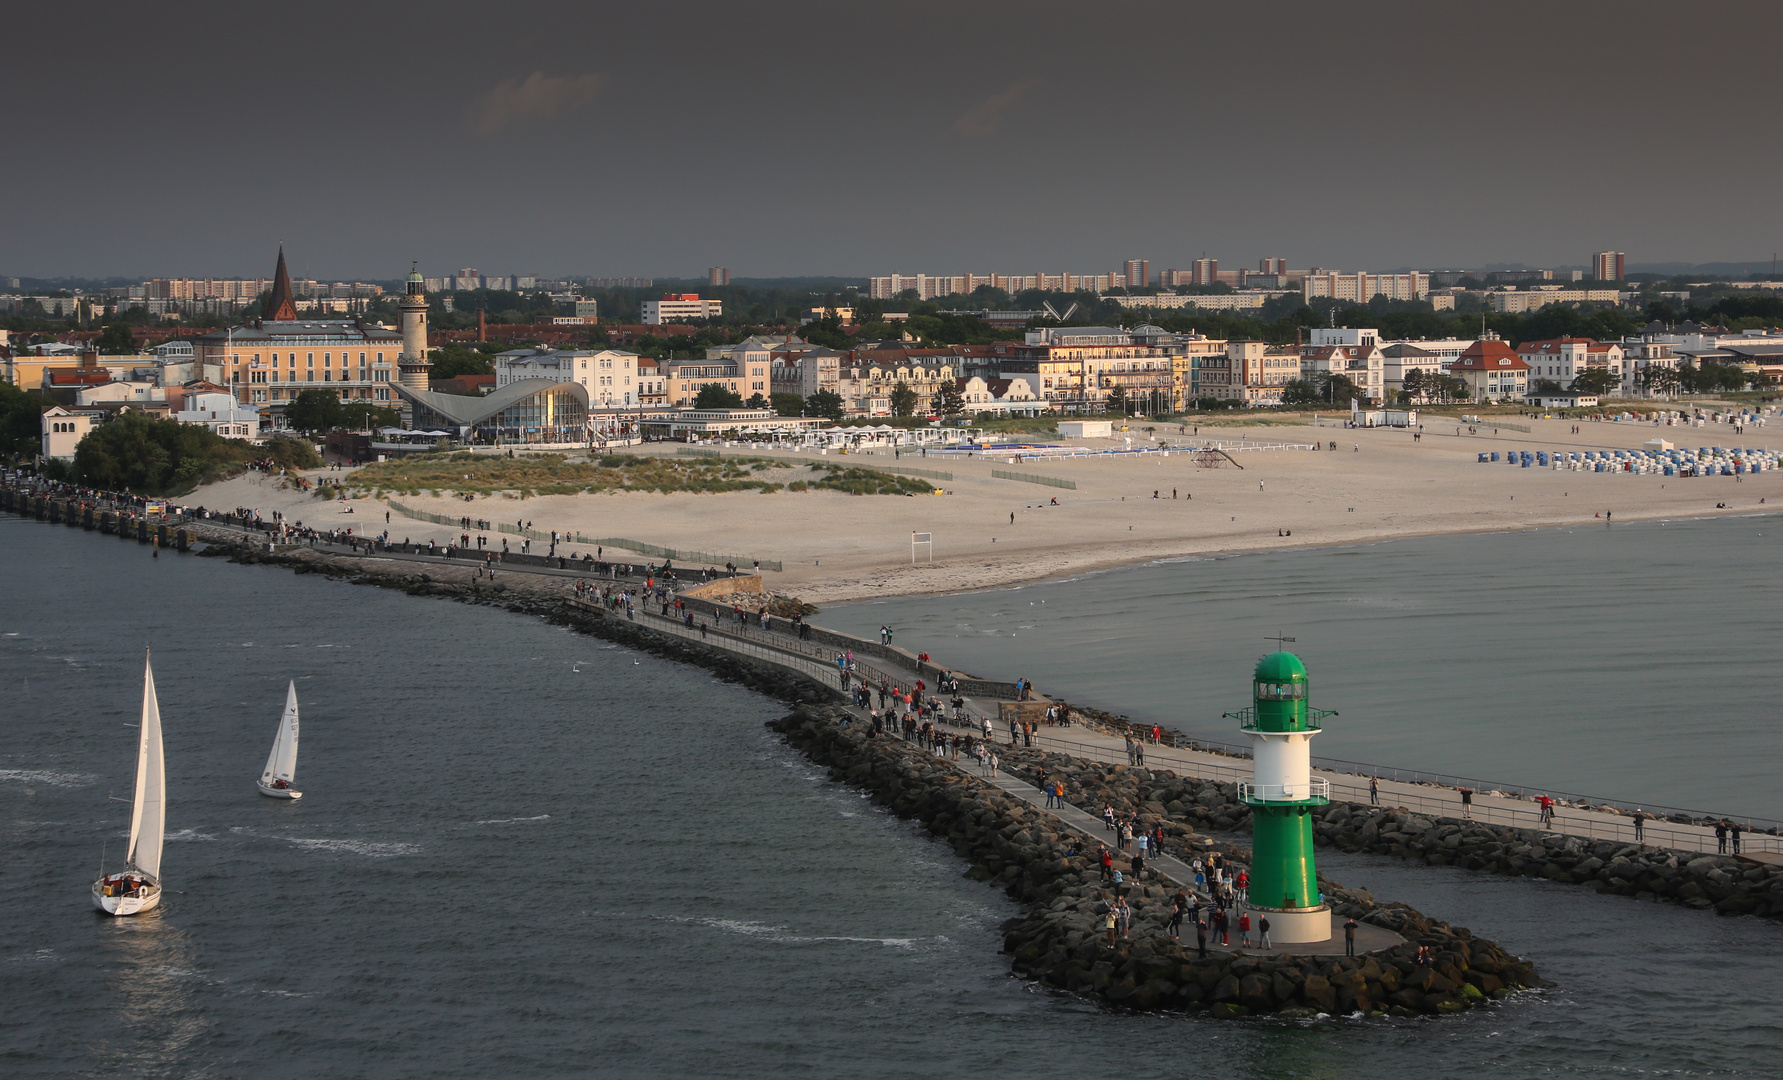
[718,275]
[1272,266]
[1206,272]
[1139,273]
[1610,266]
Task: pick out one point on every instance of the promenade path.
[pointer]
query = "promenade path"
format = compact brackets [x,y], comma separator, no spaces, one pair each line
[899,669]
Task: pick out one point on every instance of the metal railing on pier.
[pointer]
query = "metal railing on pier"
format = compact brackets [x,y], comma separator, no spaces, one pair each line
[1485,809]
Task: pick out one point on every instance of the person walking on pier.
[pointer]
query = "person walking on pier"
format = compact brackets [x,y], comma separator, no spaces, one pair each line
[1547,815]
[1201,939]
[1640,818]
[1467,804]
[1733,833]
[1174,928]
[1106,858]
[1349,937]
[1263,932]
[1374,791]
[1244,930]
[1721,837]
[1107,817]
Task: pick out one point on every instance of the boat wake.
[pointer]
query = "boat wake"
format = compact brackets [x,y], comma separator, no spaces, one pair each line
[782,935]
[514,820]
[44,776]
[371,849]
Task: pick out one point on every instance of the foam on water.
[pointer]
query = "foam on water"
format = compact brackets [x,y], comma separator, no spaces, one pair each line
[697,904]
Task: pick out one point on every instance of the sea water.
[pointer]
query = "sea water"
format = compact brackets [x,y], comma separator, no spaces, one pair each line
[1634,662]
[526,853]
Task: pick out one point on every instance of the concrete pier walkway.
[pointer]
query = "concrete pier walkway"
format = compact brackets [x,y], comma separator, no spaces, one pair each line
[899,667]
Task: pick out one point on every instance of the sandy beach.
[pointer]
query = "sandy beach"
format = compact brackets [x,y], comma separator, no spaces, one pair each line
[1378,484]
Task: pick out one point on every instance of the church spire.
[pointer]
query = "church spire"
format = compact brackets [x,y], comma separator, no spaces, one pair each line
[280,306]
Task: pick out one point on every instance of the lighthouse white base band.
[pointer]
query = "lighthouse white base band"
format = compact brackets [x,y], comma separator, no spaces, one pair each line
[1282,761]
[1296,926]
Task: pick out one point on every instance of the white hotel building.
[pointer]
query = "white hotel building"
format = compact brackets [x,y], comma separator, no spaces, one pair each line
[1361,287]
[610,376]
[676,307]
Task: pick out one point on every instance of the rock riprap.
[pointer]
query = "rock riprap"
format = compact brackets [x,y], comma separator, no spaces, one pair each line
[1060,942]
[1722,882]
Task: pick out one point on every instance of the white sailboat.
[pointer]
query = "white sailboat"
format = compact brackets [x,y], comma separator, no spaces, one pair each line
[138,887]
[281,764]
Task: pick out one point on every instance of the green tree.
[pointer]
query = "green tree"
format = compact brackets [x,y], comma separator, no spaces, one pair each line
[827,331]
[788,404]
[1301,392]
[903,400]
[134,452]
[314,410]
[1414,383]
[717,396]
[756,401]
[1544,386]
[116,340]
[825,403]
[21,420]
[453,360]
[363,414]
[1597,380]
[1117,400]
[948,401]
[1660,380]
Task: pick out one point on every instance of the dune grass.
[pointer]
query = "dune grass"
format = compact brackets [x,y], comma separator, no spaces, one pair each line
[465,473]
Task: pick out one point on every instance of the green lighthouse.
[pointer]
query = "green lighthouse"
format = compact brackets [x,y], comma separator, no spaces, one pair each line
[1282,795]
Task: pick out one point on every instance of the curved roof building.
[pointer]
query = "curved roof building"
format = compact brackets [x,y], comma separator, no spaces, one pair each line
[531,410]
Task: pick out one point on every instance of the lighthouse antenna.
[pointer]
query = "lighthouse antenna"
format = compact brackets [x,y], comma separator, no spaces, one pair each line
[1278,639]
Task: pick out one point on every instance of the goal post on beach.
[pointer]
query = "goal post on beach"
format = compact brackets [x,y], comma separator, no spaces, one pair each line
[922,540]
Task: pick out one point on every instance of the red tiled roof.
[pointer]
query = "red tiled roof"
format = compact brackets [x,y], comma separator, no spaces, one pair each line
[1488,356]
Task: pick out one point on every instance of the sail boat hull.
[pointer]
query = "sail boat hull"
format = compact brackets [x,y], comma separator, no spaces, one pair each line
[146,898]
[277,793]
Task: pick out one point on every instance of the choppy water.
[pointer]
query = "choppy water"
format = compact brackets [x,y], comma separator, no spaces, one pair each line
[1635,662]
[523,853]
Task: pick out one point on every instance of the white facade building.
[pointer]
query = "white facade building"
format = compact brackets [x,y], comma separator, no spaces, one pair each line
[63,430]
[1541,296]
[610,376]
[1361,287]
[1564,359]
[219,411]
[675,307]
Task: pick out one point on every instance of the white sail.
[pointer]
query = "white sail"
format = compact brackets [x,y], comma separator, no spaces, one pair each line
[148,817]
[281,763]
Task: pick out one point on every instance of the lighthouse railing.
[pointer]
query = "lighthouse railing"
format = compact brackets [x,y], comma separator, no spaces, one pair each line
[1247,718]
[1314,789]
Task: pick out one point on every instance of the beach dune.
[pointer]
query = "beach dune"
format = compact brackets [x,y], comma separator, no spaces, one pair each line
[1377,484]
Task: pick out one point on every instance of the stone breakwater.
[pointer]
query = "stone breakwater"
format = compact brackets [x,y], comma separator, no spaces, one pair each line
[1061,944]
[1729,885]
[1026,851]
[540,597]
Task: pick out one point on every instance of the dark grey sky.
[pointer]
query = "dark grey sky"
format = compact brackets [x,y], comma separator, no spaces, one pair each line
[843,138]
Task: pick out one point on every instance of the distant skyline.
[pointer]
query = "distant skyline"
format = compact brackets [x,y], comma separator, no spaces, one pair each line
[793,138]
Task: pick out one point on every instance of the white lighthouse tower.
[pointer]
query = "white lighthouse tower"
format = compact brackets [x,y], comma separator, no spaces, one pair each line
[412,365]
